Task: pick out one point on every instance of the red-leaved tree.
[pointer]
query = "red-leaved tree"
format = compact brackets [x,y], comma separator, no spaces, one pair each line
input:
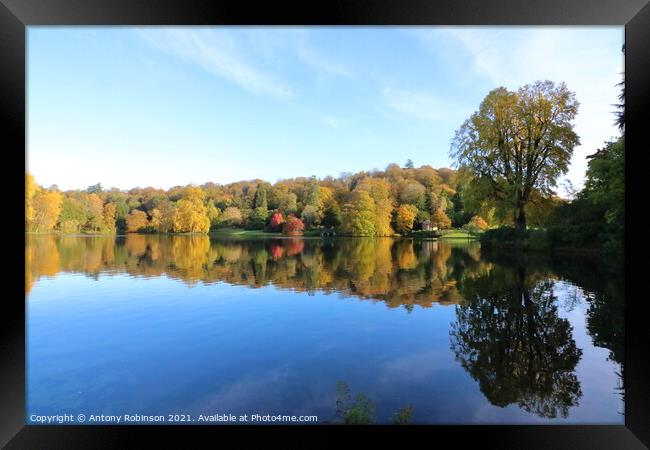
[276,221]
[293,226]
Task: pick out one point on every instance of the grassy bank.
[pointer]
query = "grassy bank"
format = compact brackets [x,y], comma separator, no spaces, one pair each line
[238,232]
[457,234]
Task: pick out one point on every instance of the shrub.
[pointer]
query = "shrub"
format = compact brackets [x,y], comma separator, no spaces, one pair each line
[475,225]
[510,237]
[293,226]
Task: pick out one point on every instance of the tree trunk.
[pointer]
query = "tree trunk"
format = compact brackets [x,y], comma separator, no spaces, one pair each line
[520,216]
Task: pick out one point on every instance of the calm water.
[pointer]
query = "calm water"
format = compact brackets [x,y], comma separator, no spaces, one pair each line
[158,325]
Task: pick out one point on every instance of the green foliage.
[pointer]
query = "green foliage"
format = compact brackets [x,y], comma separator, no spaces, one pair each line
[597,215]
[73,215]
[94,189]
[519,141]
[214,214]
[360,410]
[260,197]
[506,236]
[353,412]
[310,215]
[332,215]
[359,215]
[257,218]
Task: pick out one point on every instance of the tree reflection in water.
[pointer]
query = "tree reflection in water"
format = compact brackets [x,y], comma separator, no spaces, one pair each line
[401,273]
[509,337]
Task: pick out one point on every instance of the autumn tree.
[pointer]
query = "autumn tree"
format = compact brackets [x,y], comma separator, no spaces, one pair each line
[276,221]
[479,223]
[288,202]
[110,213]
[46,207]
[30,190]
[94,208]
[155,219]
[136,220]
[379,190]
[440,219]
[293,226]
[404,218]
[413,193]
[313,210]
[191,213]
[519,141]
[167,216]
[191,217]
[232,216]
[214,214]
[73,215]
[359,215]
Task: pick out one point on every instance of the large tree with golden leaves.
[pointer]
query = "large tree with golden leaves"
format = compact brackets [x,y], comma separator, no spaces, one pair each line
[519,141]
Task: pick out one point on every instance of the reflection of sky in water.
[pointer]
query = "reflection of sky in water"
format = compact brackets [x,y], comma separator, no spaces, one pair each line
[157,346]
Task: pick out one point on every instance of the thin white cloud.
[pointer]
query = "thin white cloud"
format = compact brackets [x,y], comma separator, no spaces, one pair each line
[320,62]
[272,44]
[418,105]
[217,53]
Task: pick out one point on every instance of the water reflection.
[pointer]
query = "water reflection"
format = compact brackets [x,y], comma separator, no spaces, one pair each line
[509,337]
[398,272]
[510,332]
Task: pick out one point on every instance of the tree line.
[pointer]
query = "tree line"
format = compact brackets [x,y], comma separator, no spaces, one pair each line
[376,203]
[394,201]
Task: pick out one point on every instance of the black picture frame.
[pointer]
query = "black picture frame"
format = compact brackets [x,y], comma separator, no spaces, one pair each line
[16,15]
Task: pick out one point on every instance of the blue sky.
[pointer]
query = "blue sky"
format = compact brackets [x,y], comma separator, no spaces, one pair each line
[160,106]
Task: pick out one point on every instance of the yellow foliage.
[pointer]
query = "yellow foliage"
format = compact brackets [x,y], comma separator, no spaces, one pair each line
[135,220]
[191,216]
[110,211]
[405,217]
[30,190]
[440,219]
[46,207]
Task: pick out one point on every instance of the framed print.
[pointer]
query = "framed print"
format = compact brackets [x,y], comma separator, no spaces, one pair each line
[369,216]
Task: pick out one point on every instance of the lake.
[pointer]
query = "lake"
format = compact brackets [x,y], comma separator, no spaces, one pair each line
[198,325]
